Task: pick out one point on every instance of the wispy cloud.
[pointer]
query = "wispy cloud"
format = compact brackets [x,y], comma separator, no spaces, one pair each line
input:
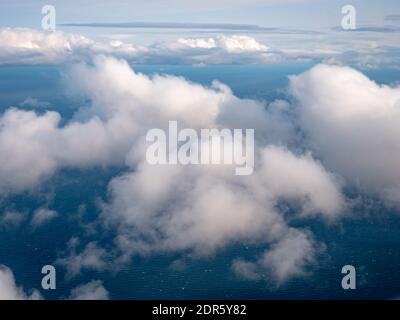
[382,29]
[392,17]
[190,26]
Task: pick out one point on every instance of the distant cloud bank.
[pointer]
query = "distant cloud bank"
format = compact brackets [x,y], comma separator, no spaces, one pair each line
[27,46]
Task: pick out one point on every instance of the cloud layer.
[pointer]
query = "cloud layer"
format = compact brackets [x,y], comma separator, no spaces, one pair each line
[360,48]
[195,210]
[349,124]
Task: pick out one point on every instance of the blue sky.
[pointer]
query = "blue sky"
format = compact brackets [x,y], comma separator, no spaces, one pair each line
[310,14]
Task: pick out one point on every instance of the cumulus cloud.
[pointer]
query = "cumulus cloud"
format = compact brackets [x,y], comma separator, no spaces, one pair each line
[28,143]
[284,260]
[29,46]
[184,211]
[12,218]
[213,50]
[92,257]
[195,210]
[9,290]
[231,44]
[35,146]
[124,105]
[93,290]
[199,210]
[308,180]
[352,124]
[42,216]
[349,121]
[290,256]
[246,269]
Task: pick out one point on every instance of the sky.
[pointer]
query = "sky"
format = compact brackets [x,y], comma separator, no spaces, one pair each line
[298,29]
[326,147]
[307,14]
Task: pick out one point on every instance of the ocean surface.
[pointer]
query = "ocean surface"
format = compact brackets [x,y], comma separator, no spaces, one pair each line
[369,240]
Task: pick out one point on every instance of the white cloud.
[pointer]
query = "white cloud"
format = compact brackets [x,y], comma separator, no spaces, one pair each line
[42,216]
[212,50]
[199,211]
[92,257]
[291,256]
[196,210]
[286,259]
[246,269]
[9,289]
[290,177]
[230,44]
[194,43]
[29,46]
[35,146]
[352,123]
[12,218]
[241,43]
[93,290]
[125,105]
